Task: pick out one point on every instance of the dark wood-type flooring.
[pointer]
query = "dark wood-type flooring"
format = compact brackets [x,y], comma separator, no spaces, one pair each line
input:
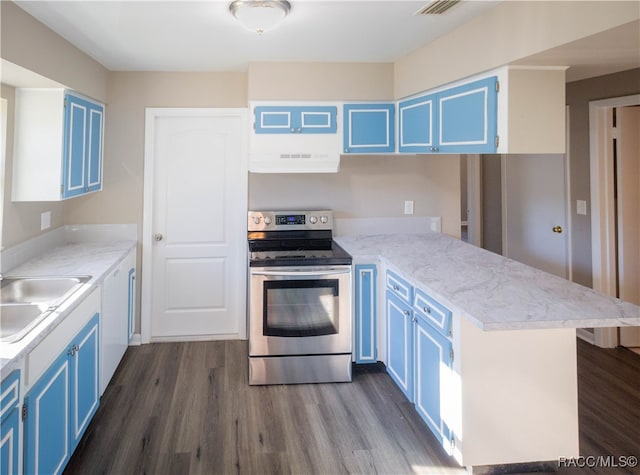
[186,408]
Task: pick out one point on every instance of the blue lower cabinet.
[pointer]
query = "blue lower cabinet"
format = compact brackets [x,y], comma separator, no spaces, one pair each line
[10,423]
[59,406]
[433,357]
[9,436]
[47,423]
[366,335]
[131,303]
[85,383]
[400,343]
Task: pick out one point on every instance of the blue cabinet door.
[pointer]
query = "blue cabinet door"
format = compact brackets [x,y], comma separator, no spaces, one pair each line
[417,120]
[94,147]
[295,119]
[400,343]
[131,303]
[76,111]
[433,357]
[83,134]
[10,423]
[366,335]
[62,402]
[467,118]
[9,429]
[46,427]
[85,381]
[369,128]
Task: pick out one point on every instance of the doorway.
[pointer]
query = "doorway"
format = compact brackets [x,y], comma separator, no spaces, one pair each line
[615,180]
[194,226]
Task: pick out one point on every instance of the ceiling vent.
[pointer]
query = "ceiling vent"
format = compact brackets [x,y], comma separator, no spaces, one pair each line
[437,7]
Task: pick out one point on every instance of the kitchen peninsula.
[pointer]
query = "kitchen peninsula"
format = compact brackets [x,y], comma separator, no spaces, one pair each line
[507,392]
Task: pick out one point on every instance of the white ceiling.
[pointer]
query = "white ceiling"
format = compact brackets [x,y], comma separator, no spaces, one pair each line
[201,35]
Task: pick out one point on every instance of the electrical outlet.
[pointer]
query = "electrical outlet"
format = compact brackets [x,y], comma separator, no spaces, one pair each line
[408,207]
[581,207]
[45,220]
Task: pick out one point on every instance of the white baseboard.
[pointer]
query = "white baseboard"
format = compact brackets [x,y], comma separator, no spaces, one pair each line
[135,340]
[585,335]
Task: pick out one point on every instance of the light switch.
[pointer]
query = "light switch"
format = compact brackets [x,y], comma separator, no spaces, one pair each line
[408,207]
[45,220]
[581,207]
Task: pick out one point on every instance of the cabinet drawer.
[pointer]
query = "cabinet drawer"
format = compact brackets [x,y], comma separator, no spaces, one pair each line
[9,393]
[433,311]
[399,286]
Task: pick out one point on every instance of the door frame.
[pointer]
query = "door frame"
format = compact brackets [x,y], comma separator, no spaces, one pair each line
[603,265]
[151,114]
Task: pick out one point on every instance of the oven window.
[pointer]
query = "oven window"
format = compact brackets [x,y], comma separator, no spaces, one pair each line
[294,308]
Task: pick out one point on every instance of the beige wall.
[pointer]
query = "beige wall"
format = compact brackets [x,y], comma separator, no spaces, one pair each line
[510,32]
[321,81]
[369,186]
[129,94]
[579,93]
[28,43]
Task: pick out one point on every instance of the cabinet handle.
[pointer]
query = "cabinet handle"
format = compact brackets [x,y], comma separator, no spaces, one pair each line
[395,287]
[427,310]
[406,312]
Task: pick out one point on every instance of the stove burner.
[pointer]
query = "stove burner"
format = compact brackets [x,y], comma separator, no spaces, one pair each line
[308,244]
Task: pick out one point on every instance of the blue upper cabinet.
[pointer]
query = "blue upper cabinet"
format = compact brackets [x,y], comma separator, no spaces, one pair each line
[467,118]
[462,119]
[82,164]
[295,119]
[369,128]
[58,144]
[416,119]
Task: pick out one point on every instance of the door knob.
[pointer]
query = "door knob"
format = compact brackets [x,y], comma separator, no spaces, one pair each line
[157,237]
[557,229]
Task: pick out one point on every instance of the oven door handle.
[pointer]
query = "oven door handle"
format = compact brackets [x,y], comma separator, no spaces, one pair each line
[297,273]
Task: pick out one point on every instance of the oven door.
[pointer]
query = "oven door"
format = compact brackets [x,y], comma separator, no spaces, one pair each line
[300,311]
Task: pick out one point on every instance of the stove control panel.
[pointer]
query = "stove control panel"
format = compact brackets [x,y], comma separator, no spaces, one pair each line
[290,220]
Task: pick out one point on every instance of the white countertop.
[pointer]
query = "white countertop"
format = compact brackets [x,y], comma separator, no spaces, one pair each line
[96,259]
[493,292]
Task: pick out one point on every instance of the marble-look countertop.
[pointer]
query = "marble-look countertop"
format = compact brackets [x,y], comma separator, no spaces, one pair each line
[96,259]
[493,292]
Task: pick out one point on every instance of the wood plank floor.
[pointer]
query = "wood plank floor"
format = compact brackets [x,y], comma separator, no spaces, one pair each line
[186,408]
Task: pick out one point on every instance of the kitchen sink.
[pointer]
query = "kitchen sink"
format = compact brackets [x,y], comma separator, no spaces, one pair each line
[25,301]
[39,289]
[16,320]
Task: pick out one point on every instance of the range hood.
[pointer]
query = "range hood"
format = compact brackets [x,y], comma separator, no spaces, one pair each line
[294,162]
[293,152]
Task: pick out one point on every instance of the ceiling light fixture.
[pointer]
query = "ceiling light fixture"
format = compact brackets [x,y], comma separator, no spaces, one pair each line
[259,15]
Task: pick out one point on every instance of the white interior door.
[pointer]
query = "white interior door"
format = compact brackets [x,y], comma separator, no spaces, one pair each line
[197,227]
[534,207]
[628,213]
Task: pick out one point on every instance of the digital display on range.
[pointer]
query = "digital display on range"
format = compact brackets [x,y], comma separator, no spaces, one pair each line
[290,219]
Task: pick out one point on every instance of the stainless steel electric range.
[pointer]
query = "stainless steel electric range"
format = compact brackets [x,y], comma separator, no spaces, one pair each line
[299,299]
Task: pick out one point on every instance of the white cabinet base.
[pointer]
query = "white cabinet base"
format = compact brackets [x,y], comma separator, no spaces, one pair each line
[514,395]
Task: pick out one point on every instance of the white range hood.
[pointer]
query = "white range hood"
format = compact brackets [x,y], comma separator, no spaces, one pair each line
[293,152]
